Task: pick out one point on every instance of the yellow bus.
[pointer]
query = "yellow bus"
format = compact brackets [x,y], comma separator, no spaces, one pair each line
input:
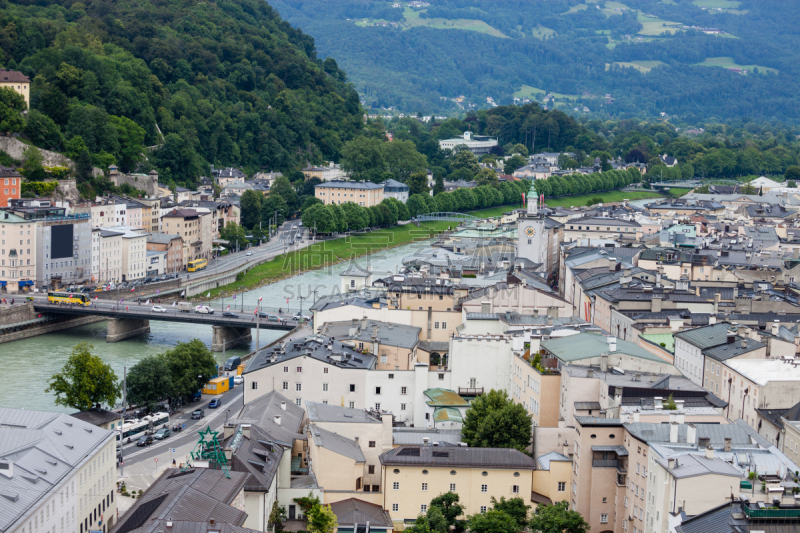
[68,297]
[197,264]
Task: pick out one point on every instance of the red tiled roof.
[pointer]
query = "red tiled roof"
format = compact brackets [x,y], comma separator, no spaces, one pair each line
[13,76]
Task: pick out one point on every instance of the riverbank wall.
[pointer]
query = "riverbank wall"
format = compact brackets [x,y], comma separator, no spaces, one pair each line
[21,321]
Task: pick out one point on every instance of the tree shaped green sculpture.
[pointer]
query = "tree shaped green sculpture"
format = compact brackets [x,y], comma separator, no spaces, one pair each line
[208,449]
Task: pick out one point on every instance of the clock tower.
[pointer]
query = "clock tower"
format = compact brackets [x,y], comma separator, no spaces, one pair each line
[530,234]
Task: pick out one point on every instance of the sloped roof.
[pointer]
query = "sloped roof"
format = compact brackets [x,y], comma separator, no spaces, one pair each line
[322,412]
[444,398]
[545,460]
[447,456]
[688,465]
[587,345]
[261,412]
[447,414]
[337,444]
[354,511]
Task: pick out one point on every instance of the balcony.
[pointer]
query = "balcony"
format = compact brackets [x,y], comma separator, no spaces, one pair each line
[786,514]
[605,463]
[476,391]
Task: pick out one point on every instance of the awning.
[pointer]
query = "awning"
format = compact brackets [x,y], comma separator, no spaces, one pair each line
[619,450]
[25,283]
[3,283]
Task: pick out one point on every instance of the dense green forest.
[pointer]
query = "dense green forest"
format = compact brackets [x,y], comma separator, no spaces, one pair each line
[647,54]
[187,83]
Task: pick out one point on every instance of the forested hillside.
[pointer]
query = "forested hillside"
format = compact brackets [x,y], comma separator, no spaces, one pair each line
[225,82]
[650,56]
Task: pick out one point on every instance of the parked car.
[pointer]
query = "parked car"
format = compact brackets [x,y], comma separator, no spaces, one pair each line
[249,253]
[232,363]
[299,316]
[145,441]
[197,396]
[238,380]
[274,318]
[158,309]
[161,434]
[204,309]
[196,415]
[228,314]
[213,404]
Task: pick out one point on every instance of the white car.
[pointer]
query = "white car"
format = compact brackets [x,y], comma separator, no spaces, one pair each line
[204,309]
[299,316]
[238,380]
[158,309]
[249,253]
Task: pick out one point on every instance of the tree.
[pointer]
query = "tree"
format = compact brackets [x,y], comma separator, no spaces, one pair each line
[42,131]
[557,518]
[191,365]
[283,187]
[306,503]
[448,505]
[250,206]
[421,525]
[402,159]
[439,184]
[416,205]
[492,522]
[274,204]
[83,167]
[355,215]
[12,104]
[466,160]
[85,381]
[148,382]
[495,421]
[321,519]
[276,516]
[32,161]
[308,202]
[417,183]
[513,163]
[515,508]
[235,235]
[792,184]
[363,156]
[792,173]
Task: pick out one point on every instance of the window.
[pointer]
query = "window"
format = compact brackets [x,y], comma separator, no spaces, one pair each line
[605,500]
[424,486]
[285,385]
[604,518]
[484,488]
[324,387]
[441,377]
[514,489]
[423,508]
[395,507]
[562,486]
[403,390]
[298,387]
[299,402]
[391,376]
[452,487]
[286,370]
[371,469]
[377,407]
[483,508]
[372,444]
[444,325]
[396,485]
[352,387]
[402,407]
[325,370]
[254,385]
[435,325]
[377,390]
[352,405]
[299,369]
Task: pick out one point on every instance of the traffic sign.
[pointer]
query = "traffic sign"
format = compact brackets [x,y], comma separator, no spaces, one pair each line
[172,450]
[156,459]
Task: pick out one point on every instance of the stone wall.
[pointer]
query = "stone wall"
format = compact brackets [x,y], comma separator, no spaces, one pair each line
[14,147]
[148,184]
[16,314]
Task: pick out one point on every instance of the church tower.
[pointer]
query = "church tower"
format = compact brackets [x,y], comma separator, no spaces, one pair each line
[530,234]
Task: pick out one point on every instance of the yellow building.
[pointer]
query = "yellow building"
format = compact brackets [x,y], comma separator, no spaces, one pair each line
[552,479]
[338,192]
[17,81]
[412,476]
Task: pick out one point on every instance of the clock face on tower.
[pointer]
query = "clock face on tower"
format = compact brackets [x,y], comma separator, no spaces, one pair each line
[530,232]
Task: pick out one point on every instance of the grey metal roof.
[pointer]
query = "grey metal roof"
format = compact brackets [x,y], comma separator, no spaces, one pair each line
[319,347]
[717,433]
[598,421]
[415,436]
[689,465]
[716,520]
[96,417]
[447,456]
[261,412]
[198,494]
[545,460]
[187,526]
[734,349]
[321,412]
[706,337]
[587,406]
[45,448]
[618,449]
[336,443]
[254,452]
[162,238]
[387,333]
[353,270]
[354,511]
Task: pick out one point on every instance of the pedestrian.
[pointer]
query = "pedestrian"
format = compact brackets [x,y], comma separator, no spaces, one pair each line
[280,310]
[173,462]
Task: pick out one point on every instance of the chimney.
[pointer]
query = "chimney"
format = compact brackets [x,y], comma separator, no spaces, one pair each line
[246,431]
[691,433]
[717,298]
[655,304]
[277,420]
[604,362]
[796,253]
[731,338]
[744,343]
[712,319]
[680,418]
[710,452]
[741,331]
[425,441]
[727,447]
[671,463]
[535,313]
[636,416]
[612,344]
[703,442]
[612,264]
[283,406]
[550,321]
[590,373]
[565,448]
[776,326]
[673,432]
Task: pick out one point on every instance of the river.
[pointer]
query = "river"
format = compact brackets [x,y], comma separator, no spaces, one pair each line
[28,364]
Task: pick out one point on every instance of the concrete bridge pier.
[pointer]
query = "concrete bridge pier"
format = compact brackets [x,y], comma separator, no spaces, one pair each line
[120,329]
[228,337]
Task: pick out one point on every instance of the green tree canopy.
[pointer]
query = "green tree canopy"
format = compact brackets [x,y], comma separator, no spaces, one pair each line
[493,420]
[235,235]
[191,365]
[515,508]
[321,519]
[12,104]
[557,518]
[85,381]
[418,183]
[250,208]
[492,522]
[792,173]
[148,382]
